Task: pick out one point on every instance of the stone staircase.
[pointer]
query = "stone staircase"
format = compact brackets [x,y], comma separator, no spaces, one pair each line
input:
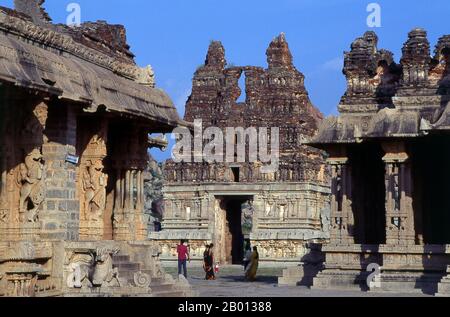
[159,287]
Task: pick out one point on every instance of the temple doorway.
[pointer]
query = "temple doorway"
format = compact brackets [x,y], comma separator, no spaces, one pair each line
[230,234]
[431,175]
[368,192]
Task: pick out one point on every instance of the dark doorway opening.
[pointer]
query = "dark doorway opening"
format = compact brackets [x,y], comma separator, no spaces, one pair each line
[235,240]
[431,189]
[236,174]
[368,193]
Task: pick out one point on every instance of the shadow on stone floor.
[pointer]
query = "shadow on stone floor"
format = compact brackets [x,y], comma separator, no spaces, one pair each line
[241,279]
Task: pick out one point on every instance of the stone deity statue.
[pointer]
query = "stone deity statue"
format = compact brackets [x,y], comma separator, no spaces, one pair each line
[94,187]
[32,187]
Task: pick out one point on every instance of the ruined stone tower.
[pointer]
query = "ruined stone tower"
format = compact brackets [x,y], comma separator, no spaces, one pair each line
[227,203]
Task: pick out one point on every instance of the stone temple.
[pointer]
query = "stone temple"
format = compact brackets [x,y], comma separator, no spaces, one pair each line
[389,153]
[227,203]
[362,191]
[75,115]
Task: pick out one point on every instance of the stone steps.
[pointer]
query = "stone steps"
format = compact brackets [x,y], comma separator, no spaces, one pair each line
[168,294]
[159,286]
[162,288]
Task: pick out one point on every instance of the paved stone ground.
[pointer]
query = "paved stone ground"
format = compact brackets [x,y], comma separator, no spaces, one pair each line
[231,283]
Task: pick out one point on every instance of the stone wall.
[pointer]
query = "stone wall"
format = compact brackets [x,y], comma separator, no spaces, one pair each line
[60,215]
[283,218]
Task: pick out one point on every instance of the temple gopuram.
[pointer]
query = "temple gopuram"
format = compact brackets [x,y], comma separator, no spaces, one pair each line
[389,152]
[231,203]
[75,115]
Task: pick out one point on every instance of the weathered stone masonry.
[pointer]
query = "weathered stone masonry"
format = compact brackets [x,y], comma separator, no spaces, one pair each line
[389,153]
[225,202]
[75,115]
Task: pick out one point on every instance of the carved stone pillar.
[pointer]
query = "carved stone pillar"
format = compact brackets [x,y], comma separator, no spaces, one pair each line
[399,203]
[130,221]
[93,181]
[259,209]
[342,220]
[22,192]
[118,195]
[141,219]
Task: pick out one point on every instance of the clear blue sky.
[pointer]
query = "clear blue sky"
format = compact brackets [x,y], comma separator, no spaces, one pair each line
[173,35]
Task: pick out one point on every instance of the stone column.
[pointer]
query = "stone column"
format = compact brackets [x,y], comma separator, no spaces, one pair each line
[61,215]
[141,219]
[342,220]
[23,120]
[124,215]
[399,204]
[130,221]
[118,195]
[92,178]
[127,204]
[258,209]
[140,190]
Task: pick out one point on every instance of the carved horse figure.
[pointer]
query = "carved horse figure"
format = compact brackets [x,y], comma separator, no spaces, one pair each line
[93,270]
[103,270]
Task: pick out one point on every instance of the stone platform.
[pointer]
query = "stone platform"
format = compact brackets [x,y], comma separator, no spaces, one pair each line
[406,269]
[86,269]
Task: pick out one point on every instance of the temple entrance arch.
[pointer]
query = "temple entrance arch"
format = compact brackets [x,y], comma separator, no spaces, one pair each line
[231,228]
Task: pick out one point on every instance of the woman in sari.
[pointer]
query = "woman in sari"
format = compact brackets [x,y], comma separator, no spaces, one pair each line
[252,268]
[208,263]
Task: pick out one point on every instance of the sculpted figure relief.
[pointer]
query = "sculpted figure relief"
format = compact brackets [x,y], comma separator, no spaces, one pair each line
[4,213]
[94,188]
[32,187]
[81,268]
[92,269]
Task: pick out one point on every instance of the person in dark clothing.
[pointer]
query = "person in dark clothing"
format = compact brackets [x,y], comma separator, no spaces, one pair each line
[208,263]
[247,255]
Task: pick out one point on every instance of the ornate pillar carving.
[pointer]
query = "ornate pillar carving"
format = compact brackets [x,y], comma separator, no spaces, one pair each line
[130,160]
[93,182]
[399,204]
[342,220]
[22,191]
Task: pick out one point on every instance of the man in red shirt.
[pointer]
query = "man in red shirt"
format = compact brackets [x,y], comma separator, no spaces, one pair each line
[183,257]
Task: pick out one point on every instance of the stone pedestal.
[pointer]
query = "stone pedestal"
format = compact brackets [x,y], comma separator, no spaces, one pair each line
[304,274]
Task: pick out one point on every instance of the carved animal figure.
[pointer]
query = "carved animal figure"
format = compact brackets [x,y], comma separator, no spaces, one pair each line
[82,267]
[32,188]
[104,271]
[93,270]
